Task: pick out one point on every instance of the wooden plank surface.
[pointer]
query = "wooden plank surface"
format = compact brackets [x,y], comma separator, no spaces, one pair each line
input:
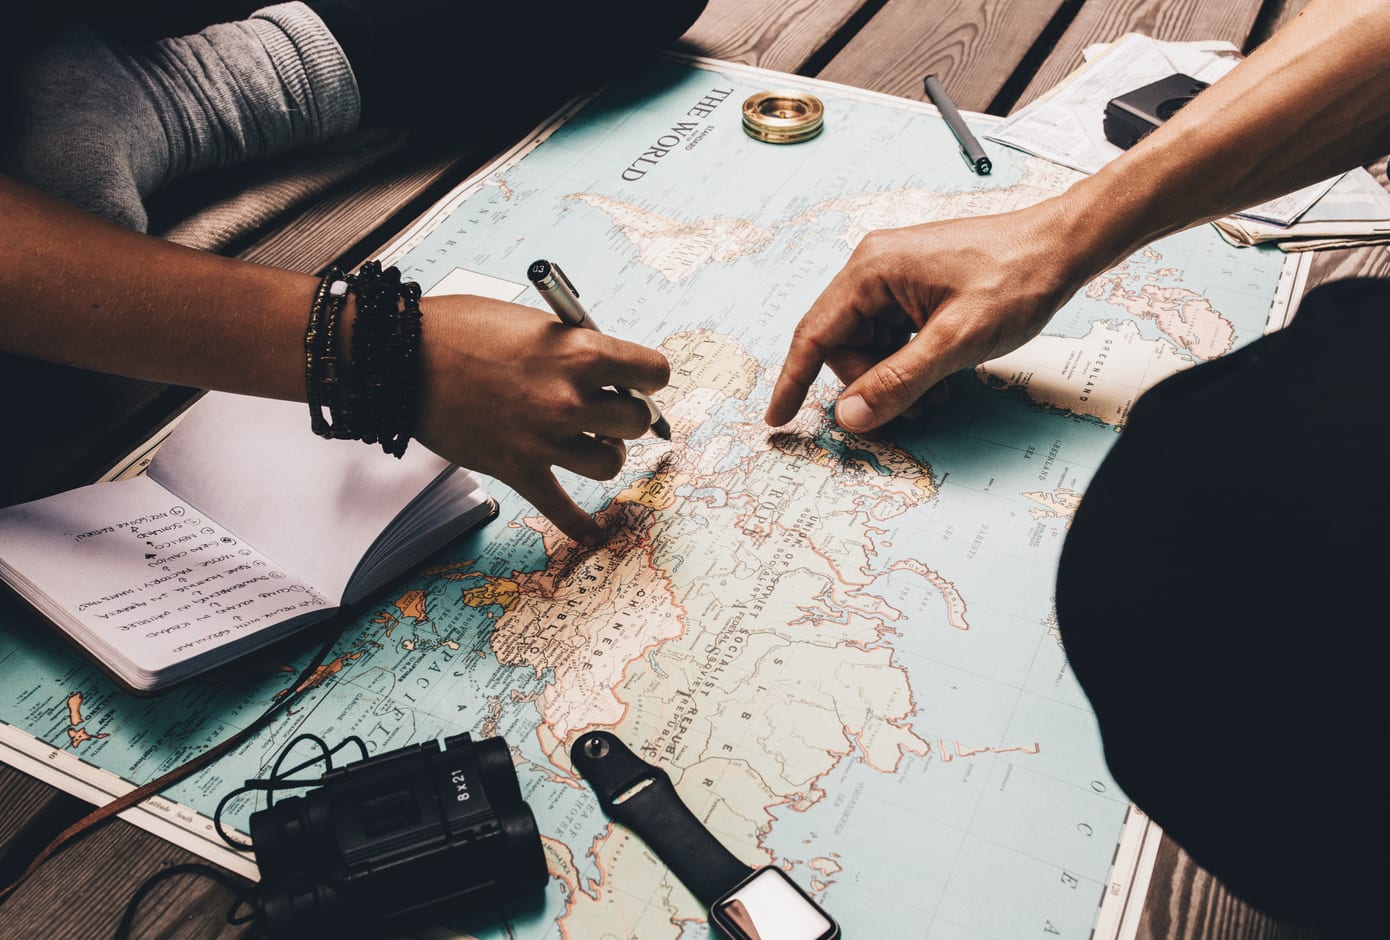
[1185,902]
[25,798]
[786,36]
[962,41]
[84,892]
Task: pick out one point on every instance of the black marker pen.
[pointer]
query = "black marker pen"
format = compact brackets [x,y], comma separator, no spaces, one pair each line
[970,148]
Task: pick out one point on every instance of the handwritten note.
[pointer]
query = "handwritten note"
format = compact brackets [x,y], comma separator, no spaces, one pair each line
[244,528]
[135,568]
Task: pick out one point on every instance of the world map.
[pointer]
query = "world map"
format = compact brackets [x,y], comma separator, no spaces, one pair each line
[842,648]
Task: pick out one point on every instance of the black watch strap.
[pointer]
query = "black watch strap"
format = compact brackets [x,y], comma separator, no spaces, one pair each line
[655,812]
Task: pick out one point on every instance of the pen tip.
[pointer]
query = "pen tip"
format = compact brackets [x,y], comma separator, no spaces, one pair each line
[662,429]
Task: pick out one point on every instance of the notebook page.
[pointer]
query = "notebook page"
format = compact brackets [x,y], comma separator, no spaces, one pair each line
[133,572]
[315,504]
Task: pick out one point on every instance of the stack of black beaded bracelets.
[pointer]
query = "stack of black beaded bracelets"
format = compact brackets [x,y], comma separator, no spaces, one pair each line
[374,395]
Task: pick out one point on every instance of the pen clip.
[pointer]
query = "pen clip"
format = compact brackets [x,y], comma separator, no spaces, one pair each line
[559,272]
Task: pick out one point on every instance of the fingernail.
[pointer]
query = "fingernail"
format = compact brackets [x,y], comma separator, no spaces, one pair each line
[854,414]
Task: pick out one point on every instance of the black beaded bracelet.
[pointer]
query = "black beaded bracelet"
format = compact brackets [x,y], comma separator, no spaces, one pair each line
[373,397]
[320,347]
[406,378]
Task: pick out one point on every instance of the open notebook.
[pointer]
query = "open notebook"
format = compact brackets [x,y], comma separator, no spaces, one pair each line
[244,528]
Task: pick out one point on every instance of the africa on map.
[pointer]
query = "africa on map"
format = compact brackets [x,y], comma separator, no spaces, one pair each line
[843,649]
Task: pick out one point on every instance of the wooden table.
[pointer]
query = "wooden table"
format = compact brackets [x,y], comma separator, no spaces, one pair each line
[994,55]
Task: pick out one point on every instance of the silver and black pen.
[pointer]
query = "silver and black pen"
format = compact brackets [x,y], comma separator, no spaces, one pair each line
[560,294]
[970,149]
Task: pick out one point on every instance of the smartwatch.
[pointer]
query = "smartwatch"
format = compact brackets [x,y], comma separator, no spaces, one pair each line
[745,903]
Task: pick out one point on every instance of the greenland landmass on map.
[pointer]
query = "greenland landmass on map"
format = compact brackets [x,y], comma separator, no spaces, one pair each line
[1099,375]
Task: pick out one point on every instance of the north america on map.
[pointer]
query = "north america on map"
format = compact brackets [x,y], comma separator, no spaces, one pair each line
[842,648]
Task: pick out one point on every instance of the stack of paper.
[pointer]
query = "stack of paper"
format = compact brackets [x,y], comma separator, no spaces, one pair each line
[1066,125]
[1352,213]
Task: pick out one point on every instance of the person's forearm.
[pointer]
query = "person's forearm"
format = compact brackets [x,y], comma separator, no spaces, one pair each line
[78,290]
[1311,102]
[88,293]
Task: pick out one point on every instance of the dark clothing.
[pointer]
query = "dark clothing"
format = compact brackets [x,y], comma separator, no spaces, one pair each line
[1222,598]
[413,58]
[488,61]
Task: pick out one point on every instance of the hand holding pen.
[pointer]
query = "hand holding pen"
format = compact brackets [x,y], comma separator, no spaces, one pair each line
[560,293]
[509,392]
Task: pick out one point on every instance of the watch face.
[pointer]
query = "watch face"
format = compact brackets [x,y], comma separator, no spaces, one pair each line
[770,906]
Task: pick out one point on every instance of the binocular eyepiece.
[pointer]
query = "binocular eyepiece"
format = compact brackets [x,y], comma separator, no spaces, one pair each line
[405,838]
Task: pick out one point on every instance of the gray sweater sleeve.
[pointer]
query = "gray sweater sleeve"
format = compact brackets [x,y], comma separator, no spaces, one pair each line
[103,125]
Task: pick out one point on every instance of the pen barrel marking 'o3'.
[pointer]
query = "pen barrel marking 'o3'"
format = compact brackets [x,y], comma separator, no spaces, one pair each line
[560,294]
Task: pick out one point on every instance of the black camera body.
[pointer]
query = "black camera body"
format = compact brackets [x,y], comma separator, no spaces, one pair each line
[401,839]
[1134,115]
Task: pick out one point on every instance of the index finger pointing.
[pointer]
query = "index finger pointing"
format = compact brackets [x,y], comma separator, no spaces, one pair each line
[803,363]
[846,302]
[545,493]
